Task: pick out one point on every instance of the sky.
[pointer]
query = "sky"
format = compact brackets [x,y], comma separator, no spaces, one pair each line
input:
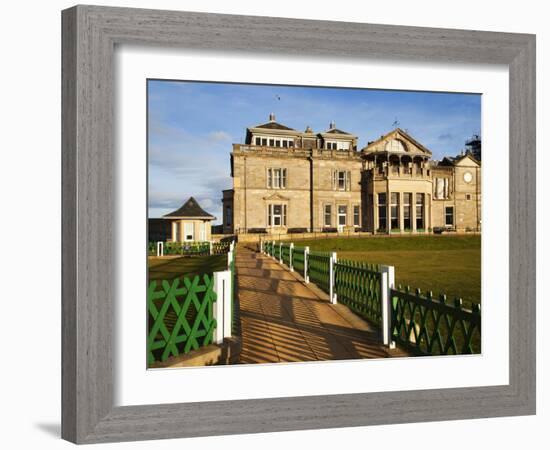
[192,126]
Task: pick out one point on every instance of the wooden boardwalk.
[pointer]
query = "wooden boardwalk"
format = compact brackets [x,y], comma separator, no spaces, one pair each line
[282,319]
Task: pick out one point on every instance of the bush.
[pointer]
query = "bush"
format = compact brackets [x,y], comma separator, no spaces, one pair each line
[329,230]
[297,230]
[257,231]
[438,230]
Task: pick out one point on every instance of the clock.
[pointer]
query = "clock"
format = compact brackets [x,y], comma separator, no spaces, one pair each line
[467,177]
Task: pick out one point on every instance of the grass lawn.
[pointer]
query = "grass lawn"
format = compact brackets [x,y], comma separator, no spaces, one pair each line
[170,268]
[441,264]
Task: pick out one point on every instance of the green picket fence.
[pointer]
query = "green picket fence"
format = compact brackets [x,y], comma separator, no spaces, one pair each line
[187,248]
[430,326]
[180,316]
[285,254]
[319,269]
[358,286]
[298,259]
[220,248]
[277,251]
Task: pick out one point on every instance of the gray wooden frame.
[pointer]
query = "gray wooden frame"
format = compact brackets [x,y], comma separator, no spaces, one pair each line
[89,37]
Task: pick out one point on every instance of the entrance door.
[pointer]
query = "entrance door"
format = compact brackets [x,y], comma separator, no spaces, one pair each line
[342,216]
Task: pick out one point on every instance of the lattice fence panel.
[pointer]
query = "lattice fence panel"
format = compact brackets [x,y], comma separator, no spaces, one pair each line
[357,285]
[180,316]
[430,326]
[285,254]
[298,259]
[319,269]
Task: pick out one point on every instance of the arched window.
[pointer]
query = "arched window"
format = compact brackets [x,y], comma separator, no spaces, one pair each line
[395,146]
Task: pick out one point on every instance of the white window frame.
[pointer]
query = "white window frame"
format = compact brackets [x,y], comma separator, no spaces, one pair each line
[276,178]
[356,214]
[271,216]
[329,215]
[339,215]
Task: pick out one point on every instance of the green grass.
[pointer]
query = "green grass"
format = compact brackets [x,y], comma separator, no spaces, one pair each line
[441,264]
[170,268]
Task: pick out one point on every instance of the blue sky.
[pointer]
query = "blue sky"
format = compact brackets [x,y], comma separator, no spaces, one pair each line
[192,126]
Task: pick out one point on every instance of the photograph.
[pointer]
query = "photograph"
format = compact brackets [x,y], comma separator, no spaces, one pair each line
[311,223]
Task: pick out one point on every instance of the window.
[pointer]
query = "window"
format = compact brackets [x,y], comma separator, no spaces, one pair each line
[419,211]
[407,222]
[291,144]
[382,211]
[394,210]
[328,215]
[276,178]
[441,188]
[341,180]
[272,142]
[468,197]
[276,215]
[228,216]
[342,215]
[264,142]
[449,216]
[188,231]
[285,144]
[356,216]
[277,143]
[258,141]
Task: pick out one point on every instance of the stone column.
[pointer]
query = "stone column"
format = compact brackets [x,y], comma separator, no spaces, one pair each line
[375,212]
[174,230]
[401,215]
[413,211]
[388,208]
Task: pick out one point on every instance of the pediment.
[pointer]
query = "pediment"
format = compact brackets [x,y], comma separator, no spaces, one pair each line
[399,142]
[276,197]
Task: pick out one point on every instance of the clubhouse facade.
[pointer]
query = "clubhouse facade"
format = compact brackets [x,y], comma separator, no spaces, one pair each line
[286,180]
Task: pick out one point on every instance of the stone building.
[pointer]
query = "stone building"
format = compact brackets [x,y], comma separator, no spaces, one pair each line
[285,180]
[189,222]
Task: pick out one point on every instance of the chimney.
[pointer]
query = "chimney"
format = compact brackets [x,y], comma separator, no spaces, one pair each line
[332,125]
[272,117]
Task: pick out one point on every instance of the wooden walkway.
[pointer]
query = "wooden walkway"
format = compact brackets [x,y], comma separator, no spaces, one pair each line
[282,319]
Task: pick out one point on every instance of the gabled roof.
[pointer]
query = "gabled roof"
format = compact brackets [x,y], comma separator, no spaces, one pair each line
[336,131]
[404,135]
[454,160]
[274,126]
[190,209]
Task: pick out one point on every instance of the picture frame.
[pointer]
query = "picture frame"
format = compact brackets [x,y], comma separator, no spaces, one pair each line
[90,34]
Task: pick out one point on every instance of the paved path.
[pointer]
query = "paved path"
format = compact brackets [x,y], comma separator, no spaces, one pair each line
[282,319]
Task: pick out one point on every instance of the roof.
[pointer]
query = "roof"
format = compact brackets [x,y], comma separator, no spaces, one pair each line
[274,126]
[404,135]
[190,209]
[336,131]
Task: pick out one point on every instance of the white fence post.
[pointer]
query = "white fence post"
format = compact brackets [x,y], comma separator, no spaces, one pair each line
[291,253]
[160,248]
[211,247]
[306,262]
[261,245]
[332,281]
[229,258]
[222,306]
[387,282]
